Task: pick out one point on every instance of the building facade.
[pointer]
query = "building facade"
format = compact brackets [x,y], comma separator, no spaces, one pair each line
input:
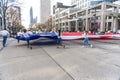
[48,24]
[31,16]
[35,20]
[99,18]
[81,4]
[11,1]
[45,8]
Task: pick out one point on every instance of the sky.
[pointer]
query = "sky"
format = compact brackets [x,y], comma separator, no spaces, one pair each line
[35,4]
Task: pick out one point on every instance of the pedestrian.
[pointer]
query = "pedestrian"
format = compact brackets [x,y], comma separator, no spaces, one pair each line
[20,33]
[27,37]
[29,32]
[59,40]
[5,35]
[86,39]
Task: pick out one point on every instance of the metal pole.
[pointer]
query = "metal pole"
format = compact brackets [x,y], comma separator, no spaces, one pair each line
[59,27]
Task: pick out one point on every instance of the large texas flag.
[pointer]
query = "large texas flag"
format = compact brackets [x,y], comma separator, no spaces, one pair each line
[80,36]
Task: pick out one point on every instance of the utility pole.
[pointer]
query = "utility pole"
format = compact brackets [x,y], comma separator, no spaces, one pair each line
[59,26]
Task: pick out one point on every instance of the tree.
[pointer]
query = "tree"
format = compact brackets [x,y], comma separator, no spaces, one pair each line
[5,6]
[19,27]
[13,16]
[41,27]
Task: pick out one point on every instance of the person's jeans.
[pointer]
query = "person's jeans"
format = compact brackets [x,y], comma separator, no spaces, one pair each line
[4,40]
[86,41]
[18,38]
[28,41]
[59,41]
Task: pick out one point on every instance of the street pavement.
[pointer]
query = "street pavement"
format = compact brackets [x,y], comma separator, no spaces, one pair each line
[0,43]
[46,62]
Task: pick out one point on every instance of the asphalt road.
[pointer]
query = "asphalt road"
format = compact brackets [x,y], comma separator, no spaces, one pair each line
[46,62]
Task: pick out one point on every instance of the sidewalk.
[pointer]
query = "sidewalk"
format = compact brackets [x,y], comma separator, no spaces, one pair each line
[0,42]
[17,62]
[0,39]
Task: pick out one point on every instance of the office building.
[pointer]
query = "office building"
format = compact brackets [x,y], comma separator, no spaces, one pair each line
[87,3]
[31,15]
[101,17]
[45,7]
[35,20]
[11,0]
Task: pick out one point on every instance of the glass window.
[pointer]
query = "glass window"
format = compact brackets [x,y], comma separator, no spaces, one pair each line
[110,17]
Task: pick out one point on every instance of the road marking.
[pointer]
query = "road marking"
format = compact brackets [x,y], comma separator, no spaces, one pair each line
[58,64]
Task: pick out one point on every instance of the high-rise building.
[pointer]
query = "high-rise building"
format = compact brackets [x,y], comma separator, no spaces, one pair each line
[11,0]
[31,15]
[86,3]
[35,20]
[45,6]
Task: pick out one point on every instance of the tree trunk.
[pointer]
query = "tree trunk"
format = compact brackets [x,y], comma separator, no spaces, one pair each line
[4,21]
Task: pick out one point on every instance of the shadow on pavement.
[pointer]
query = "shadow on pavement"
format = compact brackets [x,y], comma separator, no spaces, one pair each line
[1,49]
[39,43]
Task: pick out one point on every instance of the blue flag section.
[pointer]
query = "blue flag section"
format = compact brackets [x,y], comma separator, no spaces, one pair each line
[52,35]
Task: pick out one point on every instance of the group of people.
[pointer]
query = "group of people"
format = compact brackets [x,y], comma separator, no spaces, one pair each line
[85,43]
[26,34]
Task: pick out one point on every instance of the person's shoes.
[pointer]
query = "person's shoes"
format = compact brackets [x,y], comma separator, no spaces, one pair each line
[63,46]
[30,47]
[57,47]
[83,46]
[91,46]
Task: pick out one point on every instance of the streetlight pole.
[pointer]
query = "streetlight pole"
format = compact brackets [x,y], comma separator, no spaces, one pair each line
[59,26]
